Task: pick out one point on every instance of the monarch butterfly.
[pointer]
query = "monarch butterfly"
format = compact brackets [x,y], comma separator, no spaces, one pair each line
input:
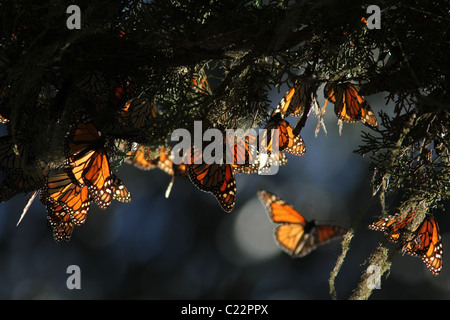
[247,160]
[424,241]
[295,235]
[287,140]
[427,244]
[200,83]
[163,162]
[242,152]
[298,98]
[137,111]
[68,203]
[88,162]
[349,105]
[139,160]
[393,226]
[217,179]
[75,199]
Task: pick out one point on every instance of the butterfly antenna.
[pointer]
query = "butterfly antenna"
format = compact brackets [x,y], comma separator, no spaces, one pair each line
[27,206]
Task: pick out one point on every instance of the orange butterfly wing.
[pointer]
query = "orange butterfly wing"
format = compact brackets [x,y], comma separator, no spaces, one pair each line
[137,111]
[291,238]
[357,104]
[217,179]
[97,177]
[119,191]
[200,83]
[297,99]
[244,153]
[349,105]
[320,234]
[296,235]
[163,162]
[424,241]
[139,160]
[75,199]
[61,223]
[325,233]
[88,161]
[427,244]
[279,210]
[291,104]
[287,140]
[393,226]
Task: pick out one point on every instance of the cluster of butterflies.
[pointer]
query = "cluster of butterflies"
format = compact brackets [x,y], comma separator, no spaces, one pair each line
[86,174]
[298,236]
[422,241]
[67,192]
[219,180]
[349,105]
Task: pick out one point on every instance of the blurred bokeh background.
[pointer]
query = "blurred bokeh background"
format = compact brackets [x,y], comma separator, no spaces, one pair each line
[186,247]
